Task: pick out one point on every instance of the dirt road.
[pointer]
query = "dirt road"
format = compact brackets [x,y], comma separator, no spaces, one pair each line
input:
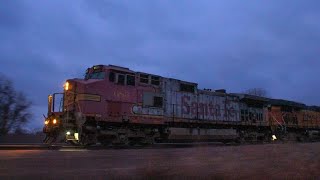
[275,161]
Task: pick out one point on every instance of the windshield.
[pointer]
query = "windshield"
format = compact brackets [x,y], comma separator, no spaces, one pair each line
[95,75]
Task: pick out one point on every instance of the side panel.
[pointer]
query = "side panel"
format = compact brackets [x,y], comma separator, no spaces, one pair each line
[209,107]
[201,134]
[309,119]
[275,116]
[170,88]
[202,106]
[291,118]
[253,115]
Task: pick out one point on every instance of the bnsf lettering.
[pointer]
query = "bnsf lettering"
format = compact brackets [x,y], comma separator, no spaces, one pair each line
[210,110]
[310,116]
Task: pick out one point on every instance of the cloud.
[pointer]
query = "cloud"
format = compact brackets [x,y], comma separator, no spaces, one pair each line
[234,45]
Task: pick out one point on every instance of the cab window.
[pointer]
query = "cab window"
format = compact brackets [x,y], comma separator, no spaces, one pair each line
[144,78]
[95,75]
[112,76]
[155,80]
[121,79]
[130,80]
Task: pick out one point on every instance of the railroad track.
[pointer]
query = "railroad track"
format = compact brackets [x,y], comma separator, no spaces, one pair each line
[62,146]
[99,147]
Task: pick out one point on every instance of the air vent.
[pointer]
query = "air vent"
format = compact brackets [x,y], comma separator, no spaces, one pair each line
[221,91]
[118,67]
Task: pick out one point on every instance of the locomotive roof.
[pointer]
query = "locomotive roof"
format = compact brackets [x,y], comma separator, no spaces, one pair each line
[251,97]
[188,82]
[119,68]
[313,108]
[124,69]
[276,102]
[217,93]
[282,102]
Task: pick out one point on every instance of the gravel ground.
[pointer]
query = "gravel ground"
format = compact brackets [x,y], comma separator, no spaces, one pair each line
[270,161]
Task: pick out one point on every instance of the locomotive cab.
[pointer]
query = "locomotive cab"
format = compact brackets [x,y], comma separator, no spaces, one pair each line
[67,110]
[87,104]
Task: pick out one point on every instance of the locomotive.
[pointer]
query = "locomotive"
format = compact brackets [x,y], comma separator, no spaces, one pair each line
[115,105]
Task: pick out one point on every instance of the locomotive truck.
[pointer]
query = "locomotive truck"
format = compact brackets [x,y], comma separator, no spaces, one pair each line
[114,105]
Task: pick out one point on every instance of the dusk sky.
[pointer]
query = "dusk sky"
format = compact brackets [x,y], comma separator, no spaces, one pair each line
[231,44]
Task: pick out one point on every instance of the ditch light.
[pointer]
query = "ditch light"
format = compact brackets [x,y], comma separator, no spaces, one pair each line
[76,135]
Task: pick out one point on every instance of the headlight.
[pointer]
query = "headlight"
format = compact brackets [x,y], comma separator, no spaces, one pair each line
[66,86]
[54,121]
[274,137]
[68,133]
[46,122]
[76,136]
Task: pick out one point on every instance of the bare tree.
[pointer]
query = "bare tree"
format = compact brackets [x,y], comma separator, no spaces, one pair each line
[14,107]
[257,92]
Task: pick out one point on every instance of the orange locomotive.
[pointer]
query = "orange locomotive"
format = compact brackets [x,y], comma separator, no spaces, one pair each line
[115,105]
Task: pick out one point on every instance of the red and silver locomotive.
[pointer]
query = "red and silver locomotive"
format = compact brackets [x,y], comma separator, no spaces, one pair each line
[115,105]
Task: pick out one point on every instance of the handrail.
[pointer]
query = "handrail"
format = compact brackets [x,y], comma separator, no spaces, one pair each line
[281,125]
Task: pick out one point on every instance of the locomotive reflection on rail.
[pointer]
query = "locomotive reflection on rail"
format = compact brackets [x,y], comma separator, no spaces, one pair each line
[115,105]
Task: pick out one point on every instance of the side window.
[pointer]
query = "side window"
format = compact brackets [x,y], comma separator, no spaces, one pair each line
[144,78]
[148,99]
[155,80]
[112,76]
[151,99]
[130,80]
[121,79]
[157,101]
[187,88]
[101,75]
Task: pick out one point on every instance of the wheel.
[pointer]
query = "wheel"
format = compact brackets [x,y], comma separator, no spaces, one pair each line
[124,140]
[104,140]
[73,142]
[87,139]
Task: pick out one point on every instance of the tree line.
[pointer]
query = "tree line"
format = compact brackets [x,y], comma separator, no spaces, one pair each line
[14,107]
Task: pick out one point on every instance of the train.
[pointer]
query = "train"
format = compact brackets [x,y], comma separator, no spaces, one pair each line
[114,105]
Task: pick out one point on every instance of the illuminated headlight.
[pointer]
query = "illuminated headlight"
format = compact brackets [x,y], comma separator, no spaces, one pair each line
[46,122]
[68,132]
[76,136]
[274,137]
[54,121]
[66,86]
